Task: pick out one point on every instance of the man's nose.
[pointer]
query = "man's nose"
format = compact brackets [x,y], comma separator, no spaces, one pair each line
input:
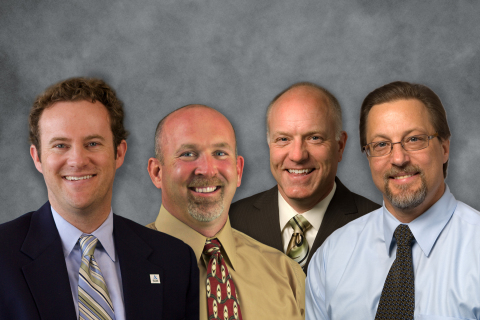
[298,152]
[399,155]
[206,166]
[77,156]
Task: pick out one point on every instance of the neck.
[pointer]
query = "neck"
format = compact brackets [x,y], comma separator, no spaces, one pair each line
[305,204]
[84,220]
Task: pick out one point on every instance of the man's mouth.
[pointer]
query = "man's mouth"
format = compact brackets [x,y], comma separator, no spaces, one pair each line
[205,189]
[73,178]
[404,177]
[299,171]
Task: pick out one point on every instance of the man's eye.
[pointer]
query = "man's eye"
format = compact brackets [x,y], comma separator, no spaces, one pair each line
[59,146]
[93,144]
[282,139]
[415,139]
[380,145]
[220,153]
[187,154]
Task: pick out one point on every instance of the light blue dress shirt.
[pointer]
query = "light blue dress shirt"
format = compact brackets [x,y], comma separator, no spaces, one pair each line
[104,255]
[347,273]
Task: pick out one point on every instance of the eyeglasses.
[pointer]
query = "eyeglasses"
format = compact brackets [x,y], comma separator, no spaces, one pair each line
[411,143]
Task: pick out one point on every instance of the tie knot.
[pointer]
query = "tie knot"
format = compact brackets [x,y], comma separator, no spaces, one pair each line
[88,244]
[212,246]
[299,224]
[403,235]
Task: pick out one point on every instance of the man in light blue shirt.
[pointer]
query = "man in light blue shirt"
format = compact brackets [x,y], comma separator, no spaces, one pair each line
[417,257]
[73,258]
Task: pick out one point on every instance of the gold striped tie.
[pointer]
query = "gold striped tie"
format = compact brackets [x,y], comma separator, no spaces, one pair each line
[93,299]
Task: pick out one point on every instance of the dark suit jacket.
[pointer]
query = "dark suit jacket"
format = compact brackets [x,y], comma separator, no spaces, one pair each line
[34,281]
[258,216]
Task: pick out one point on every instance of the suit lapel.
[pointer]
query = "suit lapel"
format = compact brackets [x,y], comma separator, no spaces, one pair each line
[142,298]
[47,275]
[269,219]
[341,204]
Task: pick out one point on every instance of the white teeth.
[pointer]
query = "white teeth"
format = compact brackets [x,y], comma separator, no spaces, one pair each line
[70,178]
[403,177]
[299,171]
[205,190]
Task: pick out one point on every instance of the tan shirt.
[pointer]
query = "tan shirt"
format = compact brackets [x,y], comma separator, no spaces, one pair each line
[270,285]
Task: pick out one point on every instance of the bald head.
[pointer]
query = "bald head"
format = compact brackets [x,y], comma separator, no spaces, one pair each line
[307,92]
[176,115]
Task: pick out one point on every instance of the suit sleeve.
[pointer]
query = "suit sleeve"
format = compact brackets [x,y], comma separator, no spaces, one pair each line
[315,302]
[193,298]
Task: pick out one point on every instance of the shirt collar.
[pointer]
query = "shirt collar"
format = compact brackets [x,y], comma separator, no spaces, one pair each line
[168,224]
[427,227]
[314,216]
[70,234]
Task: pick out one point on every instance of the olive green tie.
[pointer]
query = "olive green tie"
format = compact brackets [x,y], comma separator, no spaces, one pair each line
[298,248]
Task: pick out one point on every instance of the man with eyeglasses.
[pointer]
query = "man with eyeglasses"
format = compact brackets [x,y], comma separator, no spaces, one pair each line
[419,255]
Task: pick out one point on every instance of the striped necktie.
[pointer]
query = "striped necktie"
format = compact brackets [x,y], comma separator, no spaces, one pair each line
[298,248]
[398,295]
[93,299]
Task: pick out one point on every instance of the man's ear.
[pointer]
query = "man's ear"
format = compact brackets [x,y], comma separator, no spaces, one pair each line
[121,151]
[36,158]
[240,164]
[155,171]
[342,142]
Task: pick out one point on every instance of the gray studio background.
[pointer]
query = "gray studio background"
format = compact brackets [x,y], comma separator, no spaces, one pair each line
[234,56]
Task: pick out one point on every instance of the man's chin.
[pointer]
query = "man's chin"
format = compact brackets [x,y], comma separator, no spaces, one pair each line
[205,212]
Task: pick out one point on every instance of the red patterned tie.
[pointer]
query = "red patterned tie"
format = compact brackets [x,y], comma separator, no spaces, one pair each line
[222,299]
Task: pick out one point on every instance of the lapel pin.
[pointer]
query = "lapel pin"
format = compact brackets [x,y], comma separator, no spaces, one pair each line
[154,278]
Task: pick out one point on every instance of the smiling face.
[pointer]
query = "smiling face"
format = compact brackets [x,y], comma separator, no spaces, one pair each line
[200,171]
[411,181]
[304,154]
[78,161]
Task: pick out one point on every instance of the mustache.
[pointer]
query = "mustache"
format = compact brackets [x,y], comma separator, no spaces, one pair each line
[408,169]
[200,182]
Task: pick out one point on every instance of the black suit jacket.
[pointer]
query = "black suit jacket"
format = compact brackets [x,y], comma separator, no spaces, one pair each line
[258,216]
[34,281]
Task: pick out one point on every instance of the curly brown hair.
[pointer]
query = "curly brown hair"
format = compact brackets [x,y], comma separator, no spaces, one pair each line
[79,89]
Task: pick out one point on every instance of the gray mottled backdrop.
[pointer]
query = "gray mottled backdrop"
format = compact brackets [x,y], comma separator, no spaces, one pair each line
[234,56]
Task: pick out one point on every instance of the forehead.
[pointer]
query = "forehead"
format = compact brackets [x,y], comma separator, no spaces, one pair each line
[302,106]
[74,117]
[398,118]
[197,126]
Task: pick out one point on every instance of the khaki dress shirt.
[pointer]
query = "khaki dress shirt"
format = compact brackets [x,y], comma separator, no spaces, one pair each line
[270,285]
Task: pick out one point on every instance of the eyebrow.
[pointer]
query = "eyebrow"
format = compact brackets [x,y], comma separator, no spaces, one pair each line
[63,139]
[195,146]
[405,134]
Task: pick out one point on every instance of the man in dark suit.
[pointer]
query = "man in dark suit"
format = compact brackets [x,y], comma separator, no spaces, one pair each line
[74,258]
[306,141]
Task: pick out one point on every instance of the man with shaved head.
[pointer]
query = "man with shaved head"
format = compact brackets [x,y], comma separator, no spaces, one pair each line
[306,141]
[198,170]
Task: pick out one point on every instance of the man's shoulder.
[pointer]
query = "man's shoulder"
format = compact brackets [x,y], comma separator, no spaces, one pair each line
[155,239]
[16,229]
[272,258]
[349,233]
[245,204]
[467,214]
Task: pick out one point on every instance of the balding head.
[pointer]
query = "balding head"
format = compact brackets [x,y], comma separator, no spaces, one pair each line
[179,111]
[316,95]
